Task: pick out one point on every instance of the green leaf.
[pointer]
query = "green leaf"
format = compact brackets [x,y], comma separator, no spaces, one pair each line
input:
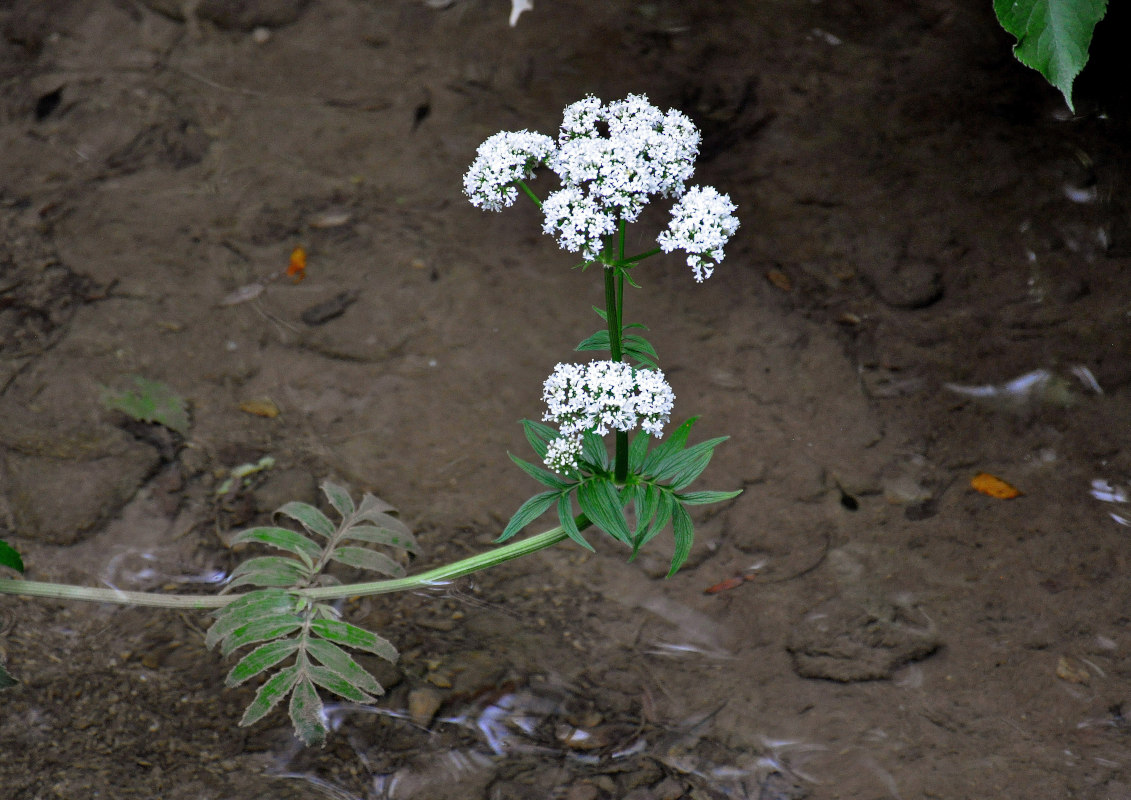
[335,658]
[150,401]
[306,712]
[269,571]
[328,679]
[393,533]
[637,450]
[680,469]
[593,450]
[1053,36]
[261,630]
[270,693]
[528,512]
[309,517]
[598,341]
[339,498]
[674,443]
[255,605]
[662,509]
[283,539]
[372,509]
[568,523]
[601,313]
[704,498]
[261,658]
[6,680]
[684,537]
[364,558]
[539,436]
[542,476]
[10,558]
[355,637]
[600,503]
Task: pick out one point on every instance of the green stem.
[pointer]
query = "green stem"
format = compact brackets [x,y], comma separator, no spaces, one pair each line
[641,257]
[424,580]
[614,307]
[522,185]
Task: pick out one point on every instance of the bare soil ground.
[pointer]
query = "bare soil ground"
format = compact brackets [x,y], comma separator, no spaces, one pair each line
[917,210]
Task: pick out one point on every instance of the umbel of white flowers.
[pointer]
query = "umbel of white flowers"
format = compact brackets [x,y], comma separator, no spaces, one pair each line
[601,396]
[609,178]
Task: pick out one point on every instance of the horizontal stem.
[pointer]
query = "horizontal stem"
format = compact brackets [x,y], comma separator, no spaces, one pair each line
[424,580]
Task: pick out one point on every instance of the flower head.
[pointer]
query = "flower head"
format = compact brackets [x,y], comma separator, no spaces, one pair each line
[578,222]
[501,160]
[601,396]
[702,222]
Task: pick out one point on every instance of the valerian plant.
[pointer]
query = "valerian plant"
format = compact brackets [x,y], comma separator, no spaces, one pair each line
[610,160]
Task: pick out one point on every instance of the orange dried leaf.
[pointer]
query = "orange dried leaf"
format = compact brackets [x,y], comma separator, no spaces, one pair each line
[994,486]
[722,586]
[779,279]
[296,271]
[262,407]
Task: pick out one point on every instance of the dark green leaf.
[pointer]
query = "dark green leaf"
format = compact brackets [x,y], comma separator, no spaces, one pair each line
[704,498]
[269,571]
[637,450]
[539,436]
[683,467]
[542,476]
[261,658]
[364,558]
[599,502]
[528,512]
[339,498]
[597,341]
[635,342]
[255,605]
[393,533]
[261,630]
[684,536]
[601,313]
[9,557]
[270,693]
[6,680]
[309,517]
[335,658]
[568,523]
[306,712]
[663,506]
[642,359]
[593,450]
[355,637]
[283,539]
[673,444]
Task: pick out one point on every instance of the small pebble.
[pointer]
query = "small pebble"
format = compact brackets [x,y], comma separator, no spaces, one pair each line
[261,35]
[423,703]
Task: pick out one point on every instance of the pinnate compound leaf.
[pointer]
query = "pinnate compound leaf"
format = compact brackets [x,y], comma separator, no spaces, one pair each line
[270,693]
[283,539]
[600,503]
[259,604]
[261,630]
[339,498]
[306,712]
[364,558]
[9,557]
[529,511]
[598,341]
[309,517]
[268,571]
[593,450]
[539,436]
[393,533]
[371,505]
[684,537]
[339,661]
[706,497]
[329,679]
[676,442]
[657,520]
[684,467]
[355,637]
[568,523]
[1053,36]
[542,476]
[261,658]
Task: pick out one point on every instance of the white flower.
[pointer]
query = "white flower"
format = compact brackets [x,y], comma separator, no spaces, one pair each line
[578,222]
[702,222]
[601,396]
[501,160]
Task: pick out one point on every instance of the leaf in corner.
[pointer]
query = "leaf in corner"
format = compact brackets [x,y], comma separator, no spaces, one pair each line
[9,557]
[150,401]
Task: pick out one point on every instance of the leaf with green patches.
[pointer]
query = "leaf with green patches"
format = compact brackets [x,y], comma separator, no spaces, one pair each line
[393,533]
[309,517]
[306,712]
[339,661]
[684,537]
[260,604]
[372,508]
[260,659]
[355,637]
[339,498]
[261,630]
[364,558]
[529,511]
[267,571]
[282,539]
[10,558]
[270,693]
[150,401]
[332,681]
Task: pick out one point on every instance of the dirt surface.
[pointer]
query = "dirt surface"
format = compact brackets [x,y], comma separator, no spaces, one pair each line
[921,219]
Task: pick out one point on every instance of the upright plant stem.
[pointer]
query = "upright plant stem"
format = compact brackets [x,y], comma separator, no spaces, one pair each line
[613,309]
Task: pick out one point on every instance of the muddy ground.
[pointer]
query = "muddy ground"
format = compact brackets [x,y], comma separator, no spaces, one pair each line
[919,213]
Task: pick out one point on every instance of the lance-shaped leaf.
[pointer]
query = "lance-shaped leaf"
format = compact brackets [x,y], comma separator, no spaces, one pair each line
[593,450]
[674,443]
[261,630]
[637,450]
[683,467]
[598,341]
[542,476]
[339,498]
[684,536]
[657,517]
[306,712]
[252,606]
[529,511]
[9,557]
[600,503]
[355,637]
[539,436]
[370,506]
[309,517]
[269,571]
[339,661]
[706,497]
[364,558]
[270,693]
[283,539]
[391,531]
[261,658]
[568,523]
[329,679]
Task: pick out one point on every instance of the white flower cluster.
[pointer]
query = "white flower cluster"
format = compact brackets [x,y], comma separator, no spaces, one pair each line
[702,222]
[500,161]
[611,159]
[601,396]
